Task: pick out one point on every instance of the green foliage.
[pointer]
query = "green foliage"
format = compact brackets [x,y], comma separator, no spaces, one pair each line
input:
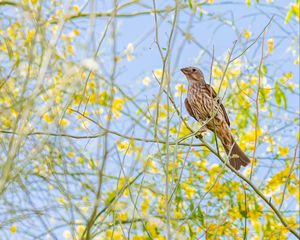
[280,97]
[94,137]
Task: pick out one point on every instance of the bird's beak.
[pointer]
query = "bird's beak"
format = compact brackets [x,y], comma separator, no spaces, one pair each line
[184,70]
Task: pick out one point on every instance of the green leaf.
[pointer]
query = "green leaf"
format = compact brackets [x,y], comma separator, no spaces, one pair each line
[200,216]
[200,12]
[262,98]
[9,49]
[289,16]
[192,207]
[280,96]
[110,197]
[264,69]
[277,95]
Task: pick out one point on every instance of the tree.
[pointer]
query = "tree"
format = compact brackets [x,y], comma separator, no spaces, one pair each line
[96,143]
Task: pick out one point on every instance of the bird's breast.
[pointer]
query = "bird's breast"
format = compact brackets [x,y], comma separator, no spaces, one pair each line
[202,103]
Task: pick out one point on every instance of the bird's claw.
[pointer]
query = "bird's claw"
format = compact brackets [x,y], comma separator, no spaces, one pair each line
[199,136]
[199,133]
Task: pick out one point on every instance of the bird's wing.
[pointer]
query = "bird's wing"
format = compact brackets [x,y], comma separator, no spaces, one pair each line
[214,94]
[189,109]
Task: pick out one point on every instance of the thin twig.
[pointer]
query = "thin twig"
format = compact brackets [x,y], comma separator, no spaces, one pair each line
[289,175]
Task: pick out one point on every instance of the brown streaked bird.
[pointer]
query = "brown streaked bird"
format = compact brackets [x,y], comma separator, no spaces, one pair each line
[202,103]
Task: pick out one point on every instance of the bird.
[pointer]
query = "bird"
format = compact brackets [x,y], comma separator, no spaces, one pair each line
[203,104]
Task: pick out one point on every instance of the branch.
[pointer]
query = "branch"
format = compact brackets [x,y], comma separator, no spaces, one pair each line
[290,173]
[179,142]
[257,191]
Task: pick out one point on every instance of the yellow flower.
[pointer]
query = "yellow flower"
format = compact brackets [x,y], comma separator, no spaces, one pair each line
[129,52]
[201,164]
[214,169]
[122,146]
[275,181]
[70,154]
[183,131]
[103,98]
[247,171]
[270,45]
[84,210]
[123,216]
[67,234]
[247,34]
[146,81]
[117,106]
[30,35]
[250,136]
[296,62]
[61,200]
[296,10]
[189,190]
[161,204]
[64,122]
[180,89]
[130,47]
[217,72]
[85,199]
[152,228]
[140,237]
[245,87]
[76,8]
[234,213]
[254,215]
[145,206]
[178,213]
[13,228]
[160,237]
[288,76]
[76,32]
[283,151]
[11,32]
[59,12]
[115,234]
[70,49]
[162,115]
[34,2]
[80,160]
[80,229]
[130,57]
[158,73]
[291,86]
[266,91]
[48,118]
[149,163]
[253,81]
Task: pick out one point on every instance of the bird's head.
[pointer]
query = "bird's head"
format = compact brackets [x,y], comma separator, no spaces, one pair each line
[193,74]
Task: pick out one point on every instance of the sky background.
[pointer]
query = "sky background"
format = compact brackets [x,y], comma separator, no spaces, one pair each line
[218,27]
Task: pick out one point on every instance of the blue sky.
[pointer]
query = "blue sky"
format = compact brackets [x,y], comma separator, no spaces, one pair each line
[221,24]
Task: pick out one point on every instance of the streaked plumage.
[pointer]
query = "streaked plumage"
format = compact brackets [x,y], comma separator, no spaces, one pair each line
[202,103]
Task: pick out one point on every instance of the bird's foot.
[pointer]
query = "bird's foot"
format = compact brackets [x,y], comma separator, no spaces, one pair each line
[199,136]
[200,132]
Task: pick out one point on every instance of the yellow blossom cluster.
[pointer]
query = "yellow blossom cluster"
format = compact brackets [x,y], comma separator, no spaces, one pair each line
[233,71]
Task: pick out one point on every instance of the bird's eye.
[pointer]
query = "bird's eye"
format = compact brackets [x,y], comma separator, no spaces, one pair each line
[194,69]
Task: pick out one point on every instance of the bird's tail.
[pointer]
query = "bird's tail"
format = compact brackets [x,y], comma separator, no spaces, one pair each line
[237,157]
